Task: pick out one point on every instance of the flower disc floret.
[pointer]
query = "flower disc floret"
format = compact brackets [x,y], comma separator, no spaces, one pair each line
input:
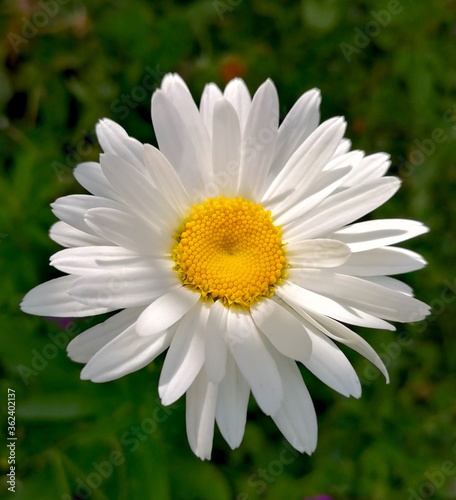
[230,250]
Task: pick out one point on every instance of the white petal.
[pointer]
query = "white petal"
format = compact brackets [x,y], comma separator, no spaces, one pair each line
[211,94]
[344,335]
[351,158]
[392,283]
[215,348]
[166,311]
[378,233]
[317,253]
[73,208]
[185,356]
[258,141]
[87,343]
[125,354]
[296,418]
[387,260]
[127,230]
[226,143]
[307,162]
[343,208]
[166,179]
[233,398]
[298,297]
[200,407]
[370,167]
[254,361]
[138,191]
[344,147]
[362,294]
[282,329]
[237,93]
[299,123]
[113,139]
[124,286]
[177,91]
[330,365]
[91,177]
[52,299]
[68,236]
[305,197]
[179,145]
[93,259]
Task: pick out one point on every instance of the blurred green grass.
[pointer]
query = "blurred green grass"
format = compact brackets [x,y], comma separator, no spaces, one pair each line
[393,79]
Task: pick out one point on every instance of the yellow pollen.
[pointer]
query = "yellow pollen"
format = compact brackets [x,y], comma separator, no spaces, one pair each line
[229,249]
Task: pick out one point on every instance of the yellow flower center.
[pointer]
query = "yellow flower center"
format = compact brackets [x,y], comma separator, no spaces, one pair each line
[230,250]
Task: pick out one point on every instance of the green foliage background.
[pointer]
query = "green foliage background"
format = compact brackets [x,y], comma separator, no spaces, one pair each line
[389,67]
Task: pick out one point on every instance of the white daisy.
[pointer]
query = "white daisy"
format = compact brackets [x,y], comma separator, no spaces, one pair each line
[234,247]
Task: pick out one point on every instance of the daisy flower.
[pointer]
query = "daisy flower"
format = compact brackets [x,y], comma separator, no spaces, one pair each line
[234,247]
